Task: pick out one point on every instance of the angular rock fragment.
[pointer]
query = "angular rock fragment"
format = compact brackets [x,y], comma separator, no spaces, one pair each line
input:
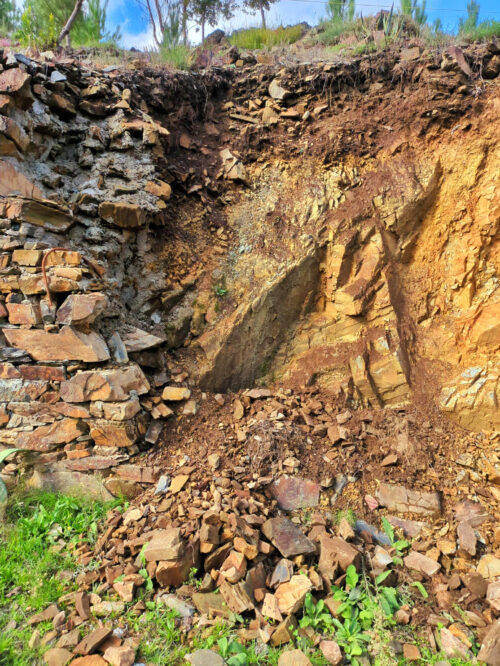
[406,500]
[106,385]
[421,563]
[67,345]
[82,309]
[293,493]
[287,537]
[138,340]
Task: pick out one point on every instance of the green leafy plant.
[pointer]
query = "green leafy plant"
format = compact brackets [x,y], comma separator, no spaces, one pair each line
[399,545]
[420,588]
[232,652]
[316,615]
[220,290]
[144,572]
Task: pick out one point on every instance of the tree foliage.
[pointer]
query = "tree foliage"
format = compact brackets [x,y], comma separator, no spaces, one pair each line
[261,6]
[470,22]
[341,11]
[8,16]
[92,29]
[208,12]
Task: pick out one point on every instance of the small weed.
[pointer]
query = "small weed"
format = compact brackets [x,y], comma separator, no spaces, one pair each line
[399,545]
[347,514]
[220,290]
[316,616]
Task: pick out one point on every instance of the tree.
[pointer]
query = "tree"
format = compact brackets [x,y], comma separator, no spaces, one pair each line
[262,6]
[209,11]
[341,11]
[92,29]
[468,25]
[160,14]
[8,16]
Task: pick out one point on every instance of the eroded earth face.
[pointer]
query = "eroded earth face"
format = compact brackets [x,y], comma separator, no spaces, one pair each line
[250,299]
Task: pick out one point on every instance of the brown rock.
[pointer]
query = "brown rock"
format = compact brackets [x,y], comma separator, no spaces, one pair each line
[138,340]
[293,493]
[335,552]
[82,605]
[467,540]
[40,213]
[15,133]
[421,563]
[234,567]
[159,189]
[24,314]
[176,393]
[405,500]
[106,385]
[493,595]
[490,647]
[165,545]
[236,597]
[44,616]
[331,652]
[290,596]
[93,640]
[45,438]
[411,652]
[489,566]
[91,660]
[120,656]
[82,309]
[294,658]
[57,657]
[47,373]
[124,215]
[67,345]
[284,631]
[109,433]
[270,608]
[178,483]
[27,257]
[287,537]
[16,81]
[453,646]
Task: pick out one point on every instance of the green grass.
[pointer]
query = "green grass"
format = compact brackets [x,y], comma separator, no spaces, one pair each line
[335,30]
[265,38]
[175,56]
[484,31]
[30,567]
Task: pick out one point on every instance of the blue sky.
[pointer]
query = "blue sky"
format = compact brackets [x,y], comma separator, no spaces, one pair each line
[136,31]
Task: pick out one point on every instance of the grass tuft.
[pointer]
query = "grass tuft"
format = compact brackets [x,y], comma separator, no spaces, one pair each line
[264,38]
[175,56]
[482,32]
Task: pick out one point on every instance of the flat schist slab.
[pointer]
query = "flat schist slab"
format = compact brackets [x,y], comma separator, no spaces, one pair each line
[68,344]
[40,213]
[108,385]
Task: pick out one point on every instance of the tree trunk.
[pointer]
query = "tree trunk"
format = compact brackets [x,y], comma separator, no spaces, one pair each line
[263,15]
[202,29]
[184,22]
[153,23]
[69,23]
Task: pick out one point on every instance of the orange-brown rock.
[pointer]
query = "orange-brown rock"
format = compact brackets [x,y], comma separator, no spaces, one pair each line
[24,314]
[16,82]
[68,344]
[124,215]
[16,134]
[107,385]
[13,181]
[159,189]
[45,438]
[108,433]
[40,213]
[82,309]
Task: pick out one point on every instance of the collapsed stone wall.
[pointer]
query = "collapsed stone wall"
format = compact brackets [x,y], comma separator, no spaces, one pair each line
[83,192]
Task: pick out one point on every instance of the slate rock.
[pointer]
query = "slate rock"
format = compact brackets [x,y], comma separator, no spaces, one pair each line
[287,537]
[205,658]
[293,493]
